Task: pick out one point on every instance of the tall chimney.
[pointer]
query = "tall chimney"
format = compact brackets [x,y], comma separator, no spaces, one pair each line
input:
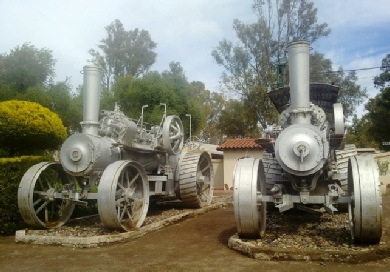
[91,99]
[298,64]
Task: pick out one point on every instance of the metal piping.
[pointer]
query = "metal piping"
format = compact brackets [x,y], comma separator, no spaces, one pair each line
[91,99]
[298,63]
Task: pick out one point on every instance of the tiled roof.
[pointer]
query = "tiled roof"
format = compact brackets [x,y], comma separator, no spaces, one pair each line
[239,144]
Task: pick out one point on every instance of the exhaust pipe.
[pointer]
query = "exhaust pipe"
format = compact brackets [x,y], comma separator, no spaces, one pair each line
[298,64]
[91,99]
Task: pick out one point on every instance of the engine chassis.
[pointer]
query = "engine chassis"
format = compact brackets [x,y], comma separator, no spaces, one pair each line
[120,162]
[308,166]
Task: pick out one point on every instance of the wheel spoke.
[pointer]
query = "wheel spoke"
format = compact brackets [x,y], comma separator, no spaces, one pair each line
[122,188]
[119,201]
[129,216]
[133,180]
[127,179]
[37,201]
[204,169]
[48,183]
[42,206]
[40,182]
[123,212]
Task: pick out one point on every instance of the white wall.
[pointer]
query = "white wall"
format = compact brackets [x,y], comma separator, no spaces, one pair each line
[230,157]
[218,174]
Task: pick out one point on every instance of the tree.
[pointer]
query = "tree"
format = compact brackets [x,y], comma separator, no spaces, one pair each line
[383,79]
[124,52]
[211,105]
[26,66]
[378,108]
[236,122]
[360,134]
[249,65]
[351,94]
[27,127]
[168,87]
[378,115]
[26,73]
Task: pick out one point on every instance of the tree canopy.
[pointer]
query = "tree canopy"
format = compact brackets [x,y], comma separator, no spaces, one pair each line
[169,87]
[378,108]
[124,52]
[26,66]
[27,72]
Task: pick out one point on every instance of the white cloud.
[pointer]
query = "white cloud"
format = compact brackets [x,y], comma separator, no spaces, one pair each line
[353,13]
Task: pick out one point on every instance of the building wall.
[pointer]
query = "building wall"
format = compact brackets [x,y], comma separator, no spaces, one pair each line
[218,174]
[230,157]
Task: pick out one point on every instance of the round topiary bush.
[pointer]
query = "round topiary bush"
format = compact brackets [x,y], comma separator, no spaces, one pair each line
[27,126]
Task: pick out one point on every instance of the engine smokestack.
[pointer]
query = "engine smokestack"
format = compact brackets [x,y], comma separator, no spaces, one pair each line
[298,64]
[91,99]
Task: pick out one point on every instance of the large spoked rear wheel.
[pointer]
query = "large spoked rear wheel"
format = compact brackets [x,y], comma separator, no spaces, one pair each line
[249,211]
[123,195]
[365,208]
[42,195]
[196,179]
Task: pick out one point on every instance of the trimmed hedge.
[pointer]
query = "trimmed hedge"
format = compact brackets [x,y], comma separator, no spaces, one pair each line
[27,126]
[11,173]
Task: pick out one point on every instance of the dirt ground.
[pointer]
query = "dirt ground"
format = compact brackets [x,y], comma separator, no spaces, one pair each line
[196,244]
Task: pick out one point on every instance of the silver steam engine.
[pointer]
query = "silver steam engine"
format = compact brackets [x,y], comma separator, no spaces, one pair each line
[118,161]
[307,164]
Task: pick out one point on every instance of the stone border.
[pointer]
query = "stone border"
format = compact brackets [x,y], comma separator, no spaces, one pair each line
[95,241]
[248,248]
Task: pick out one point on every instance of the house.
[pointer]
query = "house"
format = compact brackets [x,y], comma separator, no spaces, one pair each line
[234,149]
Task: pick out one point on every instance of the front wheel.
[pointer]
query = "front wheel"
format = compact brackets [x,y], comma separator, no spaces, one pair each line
[43,195]
[249,184]
[365,207]
[123,195]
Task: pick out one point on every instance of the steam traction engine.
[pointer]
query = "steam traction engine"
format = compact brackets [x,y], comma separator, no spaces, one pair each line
[307,164]
[118,161]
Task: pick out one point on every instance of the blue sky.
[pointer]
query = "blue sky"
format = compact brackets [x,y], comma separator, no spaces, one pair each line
[186,31]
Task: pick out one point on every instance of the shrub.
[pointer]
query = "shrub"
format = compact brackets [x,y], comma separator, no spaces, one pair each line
[26,127]
[383,167]
[12,171]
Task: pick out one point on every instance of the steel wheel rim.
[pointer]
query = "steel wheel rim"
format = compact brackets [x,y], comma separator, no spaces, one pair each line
[365,207]
[123,195]
[250,216]
[39,195]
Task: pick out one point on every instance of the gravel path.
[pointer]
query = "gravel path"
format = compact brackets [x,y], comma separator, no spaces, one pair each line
[90,226]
